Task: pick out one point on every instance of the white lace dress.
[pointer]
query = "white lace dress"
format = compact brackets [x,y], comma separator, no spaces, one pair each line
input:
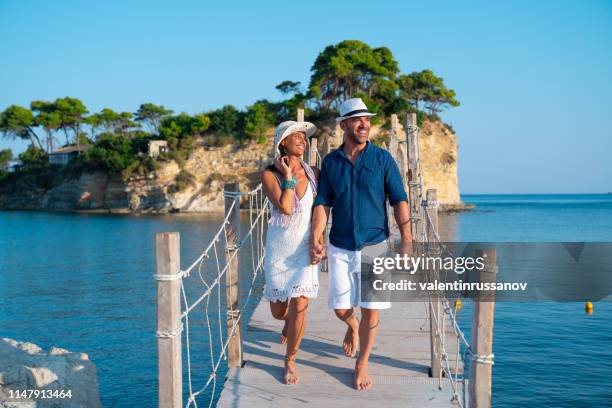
[287,267]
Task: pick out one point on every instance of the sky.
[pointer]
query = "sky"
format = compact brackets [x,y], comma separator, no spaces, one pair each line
[533,78]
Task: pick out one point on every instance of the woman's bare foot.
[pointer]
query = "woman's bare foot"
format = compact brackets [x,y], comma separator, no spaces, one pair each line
[362,379]
[350,342]
[283,337]
[291,377]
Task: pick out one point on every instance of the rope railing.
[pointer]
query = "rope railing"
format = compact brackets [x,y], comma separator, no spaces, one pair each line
[439,318]
[439,308]
[216,259]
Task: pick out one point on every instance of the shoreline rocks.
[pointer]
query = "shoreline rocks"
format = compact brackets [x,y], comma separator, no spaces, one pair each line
[25,366]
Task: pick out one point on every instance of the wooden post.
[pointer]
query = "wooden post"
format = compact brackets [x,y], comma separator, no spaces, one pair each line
[398,150]
[434,306]
[394,123]
[394,141]
[300,118]
[169,358]
[394,135]
[482,335]
[312,157]
[414,189]
[232,287]
[394,151]
[402,163]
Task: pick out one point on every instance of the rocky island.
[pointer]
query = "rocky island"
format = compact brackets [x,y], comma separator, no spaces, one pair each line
[156,191]
[154,161]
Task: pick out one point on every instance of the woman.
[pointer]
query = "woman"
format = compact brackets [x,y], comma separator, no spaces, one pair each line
[291,280]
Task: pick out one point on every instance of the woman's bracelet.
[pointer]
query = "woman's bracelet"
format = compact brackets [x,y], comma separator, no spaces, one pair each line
[288,184]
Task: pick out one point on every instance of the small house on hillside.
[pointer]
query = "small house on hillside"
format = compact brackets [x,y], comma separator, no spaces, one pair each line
[13,166]
[156,147]
[63,155]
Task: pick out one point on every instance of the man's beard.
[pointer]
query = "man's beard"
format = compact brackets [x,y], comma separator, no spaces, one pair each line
[354,138]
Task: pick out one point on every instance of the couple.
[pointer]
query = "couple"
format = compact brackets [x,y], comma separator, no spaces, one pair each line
[354,182]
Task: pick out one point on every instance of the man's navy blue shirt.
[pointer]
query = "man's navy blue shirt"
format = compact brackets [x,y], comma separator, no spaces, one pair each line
[357,195]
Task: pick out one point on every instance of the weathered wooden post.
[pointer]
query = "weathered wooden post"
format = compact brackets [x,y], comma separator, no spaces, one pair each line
[232,287]
[312,156]
[400,152]
[394,151]
[169,325]
[394,123]
[300,118]
[414,188]
[434,306]
[394,140]
[482,335]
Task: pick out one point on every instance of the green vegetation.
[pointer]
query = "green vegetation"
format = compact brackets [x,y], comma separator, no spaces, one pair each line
[6,155]
[151,115]
[182,181]
[119,140]
[257,121]
[34,158]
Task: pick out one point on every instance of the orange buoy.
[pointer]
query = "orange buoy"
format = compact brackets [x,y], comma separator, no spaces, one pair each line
[588,308]
[457,305]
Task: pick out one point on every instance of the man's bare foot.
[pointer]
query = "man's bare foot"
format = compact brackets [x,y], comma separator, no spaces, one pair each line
[291,377]
[283,337]
[362,379]
[350,342]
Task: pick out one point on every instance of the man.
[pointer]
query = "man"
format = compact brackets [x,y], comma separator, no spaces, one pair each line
[355,182]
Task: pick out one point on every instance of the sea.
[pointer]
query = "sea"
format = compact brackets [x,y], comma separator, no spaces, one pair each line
[84,282]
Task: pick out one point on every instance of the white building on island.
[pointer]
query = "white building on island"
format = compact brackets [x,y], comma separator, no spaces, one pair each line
[156,147]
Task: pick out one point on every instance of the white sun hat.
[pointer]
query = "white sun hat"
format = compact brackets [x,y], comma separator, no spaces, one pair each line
[288,127]
[353,108]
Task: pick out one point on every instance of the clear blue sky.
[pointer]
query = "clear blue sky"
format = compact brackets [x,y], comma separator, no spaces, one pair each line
[533,78]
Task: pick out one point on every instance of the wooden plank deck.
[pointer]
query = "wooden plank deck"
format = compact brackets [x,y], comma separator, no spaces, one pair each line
[398,365]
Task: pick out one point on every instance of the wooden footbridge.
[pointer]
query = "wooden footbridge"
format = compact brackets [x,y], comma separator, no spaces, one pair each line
[418,357]
[399,364]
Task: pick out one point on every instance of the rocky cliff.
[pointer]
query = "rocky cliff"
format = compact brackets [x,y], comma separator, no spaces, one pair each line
[438,150]
[211,168]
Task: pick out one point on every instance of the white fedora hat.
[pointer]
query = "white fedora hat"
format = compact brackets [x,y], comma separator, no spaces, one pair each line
[288,127]
[352,108]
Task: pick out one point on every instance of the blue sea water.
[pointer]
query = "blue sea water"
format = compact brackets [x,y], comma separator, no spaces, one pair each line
[547,354]
[84,282]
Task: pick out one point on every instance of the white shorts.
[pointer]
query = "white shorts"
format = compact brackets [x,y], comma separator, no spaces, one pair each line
[344,273]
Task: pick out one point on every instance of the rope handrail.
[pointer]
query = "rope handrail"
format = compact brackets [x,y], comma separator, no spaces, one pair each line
[221,273]
[216,249]
[439,318]
[215,239]
[226,343]
[442,307]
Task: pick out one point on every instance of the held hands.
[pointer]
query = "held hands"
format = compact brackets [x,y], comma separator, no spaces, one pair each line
[282,165]
[317,250]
